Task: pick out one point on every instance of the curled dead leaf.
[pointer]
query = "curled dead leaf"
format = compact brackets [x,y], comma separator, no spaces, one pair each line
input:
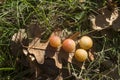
[94,26]
[105,19]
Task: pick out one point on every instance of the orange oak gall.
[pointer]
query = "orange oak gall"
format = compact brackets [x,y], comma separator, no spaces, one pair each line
[55,41]
[68,45]
[86,42]
[81,55]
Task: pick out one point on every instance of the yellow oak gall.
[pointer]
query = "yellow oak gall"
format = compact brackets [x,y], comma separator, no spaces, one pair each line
[81,55]
[86,42]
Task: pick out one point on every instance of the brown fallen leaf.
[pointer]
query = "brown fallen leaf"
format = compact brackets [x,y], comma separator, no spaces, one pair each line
[35,48]
[42,50]
[105,19]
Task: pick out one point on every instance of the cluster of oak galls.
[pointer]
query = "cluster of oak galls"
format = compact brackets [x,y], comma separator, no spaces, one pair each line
[69,45]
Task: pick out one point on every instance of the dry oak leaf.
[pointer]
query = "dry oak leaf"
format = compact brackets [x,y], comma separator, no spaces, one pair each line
[44,50]
[37,49]
[105,19]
